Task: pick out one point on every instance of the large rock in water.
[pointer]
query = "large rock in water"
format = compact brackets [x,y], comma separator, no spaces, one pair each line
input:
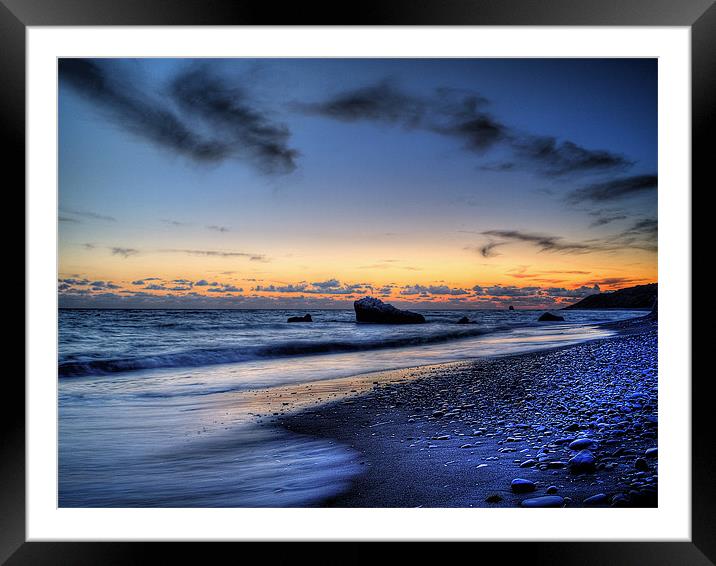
[306,318]
[548,316]
[370,309]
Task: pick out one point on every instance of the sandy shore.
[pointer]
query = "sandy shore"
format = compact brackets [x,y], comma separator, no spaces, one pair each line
[458,434]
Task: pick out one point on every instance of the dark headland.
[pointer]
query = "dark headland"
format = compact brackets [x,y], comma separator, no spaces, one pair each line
[638,297]
[569,427]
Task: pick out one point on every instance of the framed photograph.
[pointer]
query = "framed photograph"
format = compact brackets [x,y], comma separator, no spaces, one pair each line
[292,277]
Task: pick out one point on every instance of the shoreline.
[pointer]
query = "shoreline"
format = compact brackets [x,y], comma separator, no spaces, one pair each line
[457,434]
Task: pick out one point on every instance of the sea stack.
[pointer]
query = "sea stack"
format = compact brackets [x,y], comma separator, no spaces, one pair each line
[306,318]
[370,309]
[549,317]
[511,308]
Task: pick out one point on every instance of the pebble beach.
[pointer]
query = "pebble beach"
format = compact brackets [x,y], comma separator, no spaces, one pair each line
[569,427]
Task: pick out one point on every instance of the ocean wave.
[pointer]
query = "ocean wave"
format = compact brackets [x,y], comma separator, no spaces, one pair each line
[211,356]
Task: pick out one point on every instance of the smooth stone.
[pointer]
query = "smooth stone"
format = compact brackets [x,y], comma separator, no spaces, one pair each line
[493,498]
[544,501]
[582,444]
[583,463]
[652,453]
[527,463]
[641,464]
[552,489]
[520,485]
[620,500]
[598,499]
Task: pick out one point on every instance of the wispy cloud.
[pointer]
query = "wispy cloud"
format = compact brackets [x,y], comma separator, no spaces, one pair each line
[124,252]
[615,189]
[216,228]
[87,214]
[462,116]
[216,121]
[640,235]
[220,253]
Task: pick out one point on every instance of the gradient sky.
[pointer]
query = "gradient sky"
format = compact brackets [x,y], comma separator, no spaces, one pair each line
[308,183]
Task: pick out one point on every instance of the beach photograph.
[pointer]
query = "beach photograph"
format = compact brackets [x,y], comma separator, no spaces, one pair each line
[357,283]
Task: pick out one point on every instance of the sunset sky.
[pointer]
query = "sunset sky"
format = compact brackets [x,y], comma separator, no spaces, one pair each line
[309,183]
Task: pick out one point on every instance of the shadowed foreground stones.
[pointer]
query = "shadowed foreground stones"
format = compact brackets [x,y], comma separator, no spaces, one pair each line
[521,485]
[583,463]
[582,444]
[544,501]
[598,499]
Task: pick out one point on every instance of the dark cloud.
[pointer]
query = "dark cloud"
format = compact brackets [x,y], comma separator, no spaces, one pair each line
[248,132]
[641,235]
[85,214]
[330,284]
[225,289]
[544,242]
[73,281]
[615,189]
[432,290]
[238,129]
[124,252]
[143,281]
[604,217]
[330,287]
[220,253]
[101,285]
[462,116]
[488,249]
[379,103]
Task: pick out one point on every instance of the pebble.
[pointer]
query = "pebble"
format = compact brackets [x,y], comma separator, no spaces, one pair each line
[544,501]
[598,499]
[552,489]
[582,444]
[520,485]
[583,463]
[641,464]
[652,453]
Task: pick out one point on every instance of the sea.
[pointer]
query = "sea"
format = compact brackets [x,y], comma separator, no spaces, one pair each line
[169,408]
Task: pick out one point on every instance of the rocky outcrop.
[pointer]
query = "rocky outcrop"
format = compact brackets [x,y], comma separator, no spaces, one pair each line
[549,317]
[511,308]
[306,318]
[638,297]
[464,320]
[370,309]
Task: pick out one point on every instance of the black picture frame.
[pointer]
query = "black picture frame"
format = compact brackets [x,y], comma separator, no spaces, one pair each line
[16,15]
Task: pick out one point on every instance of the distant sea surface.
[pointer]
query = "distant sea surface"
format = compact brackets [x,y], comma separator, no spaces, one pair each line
[156,407]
